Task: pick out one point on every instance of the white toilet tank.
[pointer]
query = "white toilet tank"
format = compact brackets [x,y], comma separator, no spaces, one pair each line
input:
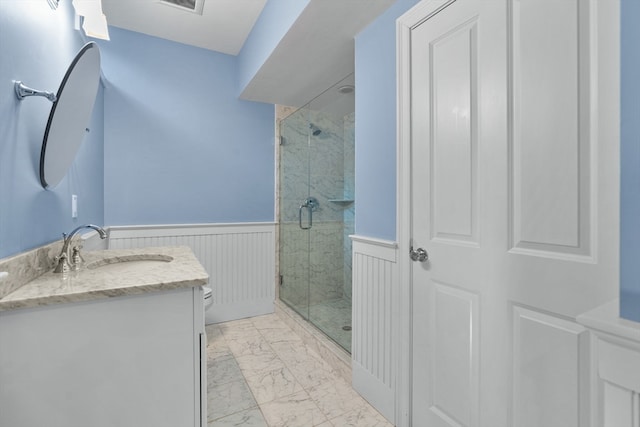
[208,297]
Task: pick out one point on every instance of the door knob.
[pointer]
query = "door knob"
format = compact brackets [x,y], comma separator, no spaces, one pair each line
[419,254]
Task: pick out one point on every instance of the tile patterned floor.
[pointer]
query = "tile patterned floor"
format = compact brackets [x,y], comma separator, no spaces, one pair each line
[261,374]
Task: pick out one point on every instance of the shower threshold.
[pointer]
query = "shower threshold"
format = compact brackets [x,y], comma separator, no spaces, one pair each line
[331,317]
[333,353]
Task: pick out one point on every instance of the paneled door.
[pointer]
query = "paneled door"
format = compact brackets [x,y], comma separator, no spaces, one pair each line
[510,112]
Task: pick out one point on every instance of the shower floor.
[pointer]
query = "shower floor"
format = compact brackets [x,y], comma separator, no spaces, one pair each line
[333,318]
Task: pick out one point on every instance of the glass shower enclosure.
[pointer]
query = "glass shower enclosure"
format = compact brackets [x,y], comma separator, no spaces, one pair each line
[316,210]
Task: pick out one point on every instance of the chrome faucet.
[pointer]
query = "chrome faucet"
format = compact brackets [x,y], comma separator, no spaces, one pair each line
[63,260]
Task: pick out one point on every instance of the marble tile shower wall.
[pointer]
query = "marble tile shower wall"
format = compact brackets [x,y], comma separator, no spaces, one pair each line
[315,169]
[320,166]
[322,265]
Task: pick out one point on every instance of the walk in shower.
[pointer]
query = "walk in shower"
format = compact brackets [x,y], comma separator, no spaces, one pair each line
[316,210]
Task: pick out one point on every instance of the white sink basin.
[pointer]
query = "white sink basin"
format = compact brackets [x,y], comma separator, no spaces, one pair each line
[125,263]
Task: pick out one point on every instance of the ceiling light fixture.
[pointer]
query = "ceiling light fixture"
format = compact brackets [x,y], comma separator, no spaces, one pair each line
[53,4]
[94,23]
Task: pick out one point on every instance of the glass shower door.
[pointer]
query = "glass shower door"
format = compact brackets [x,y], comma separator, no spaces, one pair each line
[329,309]
[316,209]
[293,192]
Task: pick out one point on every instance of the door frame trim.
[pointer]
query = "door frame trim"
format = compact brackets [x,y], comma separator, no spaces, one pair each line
[403,224]
[403,307]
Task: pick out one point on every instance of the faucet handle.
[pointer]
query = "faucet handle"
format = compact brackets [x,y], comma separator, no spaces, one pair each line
[76,258]
[62,264]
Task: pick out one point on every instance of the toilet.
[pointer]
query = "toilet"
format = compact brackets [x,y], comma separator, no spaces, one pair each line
[208,297]
[208,302]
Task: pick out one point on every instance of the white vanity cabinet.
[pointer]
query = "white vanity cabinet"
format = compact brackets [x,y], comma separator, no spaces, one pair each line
[129,361]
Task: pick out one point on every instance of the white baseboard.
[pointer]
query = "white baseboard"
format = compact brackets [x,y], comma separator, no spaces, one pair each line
[377,393]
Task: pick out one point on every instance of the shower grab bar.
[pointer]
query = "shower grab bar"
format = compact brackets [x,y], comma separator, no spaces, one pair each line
[305,205]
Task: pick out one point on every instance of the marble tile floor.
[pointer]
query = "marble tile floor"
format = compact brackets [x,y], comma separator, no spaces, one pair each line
[261,374]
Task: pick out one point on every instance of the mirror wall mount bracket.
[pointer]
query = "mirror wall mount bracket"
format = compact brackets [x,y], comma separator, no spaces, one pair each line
[22,91]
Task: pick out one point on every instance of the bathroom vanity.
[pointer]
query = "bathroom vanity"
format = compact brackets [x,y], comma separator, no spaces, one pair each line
[118,343]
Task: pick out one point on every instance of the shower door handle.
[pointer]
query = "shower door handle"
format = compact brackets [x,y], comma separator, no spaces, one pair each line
[310,209]
[311,203]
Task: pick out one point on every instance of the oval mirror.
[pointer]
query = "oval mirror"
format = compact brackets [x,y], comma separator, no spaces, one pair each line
[70,115]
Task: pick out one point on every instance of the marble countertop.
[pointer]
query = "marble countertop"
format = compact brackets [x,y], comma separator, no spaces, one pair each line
[182,271]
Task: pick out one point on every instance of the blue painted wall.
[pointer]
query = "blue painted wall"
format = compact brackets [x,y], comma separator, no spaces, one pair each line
[274,22]
[376,125]
[187,150]
[37,45]
[630,161]
[180,147]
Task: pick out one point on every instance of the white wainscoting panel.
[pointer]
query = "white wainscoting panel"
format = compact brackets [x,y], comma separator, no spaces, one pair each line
[551,363]
[373,364]
[616,372]
[618,363]
[240,260]
[620,406]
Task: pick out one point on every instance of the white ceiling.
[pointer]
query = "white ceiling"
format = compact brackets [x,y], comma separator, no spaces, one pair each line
[223,26]
[315,53]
